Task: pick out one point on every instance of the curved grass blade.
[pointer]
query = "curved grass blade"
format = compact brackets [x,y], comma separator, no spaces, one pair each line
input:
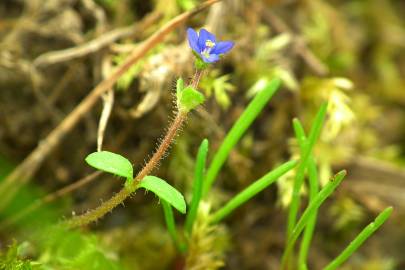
[238,129]
[197,185]
[252,190]
[300,134]
[164,191]
[361,237]
[306,216]
[299,178]
[313,190]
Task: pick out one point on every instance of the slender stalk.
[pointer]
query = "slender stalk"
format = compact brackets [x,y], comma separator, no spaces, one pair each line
[197,77]
[358,241]
[197,185]
[163,147]
[118,198]
[171,225]
[99,212]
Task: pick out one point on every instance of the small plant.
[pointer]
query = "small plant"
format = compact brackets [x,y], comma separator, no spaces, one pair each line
[269,111]
[207,50]
[201,241]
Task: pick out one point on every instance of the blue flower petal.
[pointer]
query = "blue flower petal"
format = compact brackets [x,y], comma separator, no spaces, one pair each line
[211,59]
[193,40]
[204,36]
[223,47]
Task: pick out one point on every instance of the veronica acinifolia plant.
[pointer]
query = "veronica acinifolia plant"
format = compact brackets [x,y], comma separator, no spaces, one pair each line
[188,97]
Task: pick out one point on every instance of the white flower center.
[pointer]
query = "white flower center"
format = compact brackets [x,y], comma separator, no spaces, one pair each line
[209,45]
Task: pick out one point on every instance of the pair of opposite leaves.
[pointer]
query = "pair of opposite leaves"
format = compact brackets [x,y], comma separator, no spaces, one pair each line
[119,165]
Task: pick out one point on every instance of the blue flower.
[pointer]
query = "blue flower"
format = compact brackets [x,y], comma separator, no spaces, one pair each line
[206,46]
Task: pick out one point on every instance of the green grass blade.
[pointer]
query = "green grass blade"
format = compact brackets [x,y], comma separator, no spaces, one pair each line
[171,225]
[310,227]
[299,178]
[313,191]
[358,241]
[197,185]
[238,129]
[252,190]
[308,213]
[300,134]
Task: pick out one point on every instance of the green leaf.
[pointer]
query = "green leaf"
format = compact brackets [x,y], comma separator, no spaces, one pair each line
[165,192]
[189,98]
[111,163]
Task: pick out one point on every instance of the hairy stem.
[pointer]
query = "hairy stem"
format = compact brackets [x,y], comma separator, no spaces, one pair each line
[118,198]
[162,149]
[197,77]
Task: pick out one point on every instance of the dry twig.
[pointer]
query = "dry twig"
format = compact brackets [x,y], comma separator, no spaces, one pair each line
[54,57]
[108,102]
